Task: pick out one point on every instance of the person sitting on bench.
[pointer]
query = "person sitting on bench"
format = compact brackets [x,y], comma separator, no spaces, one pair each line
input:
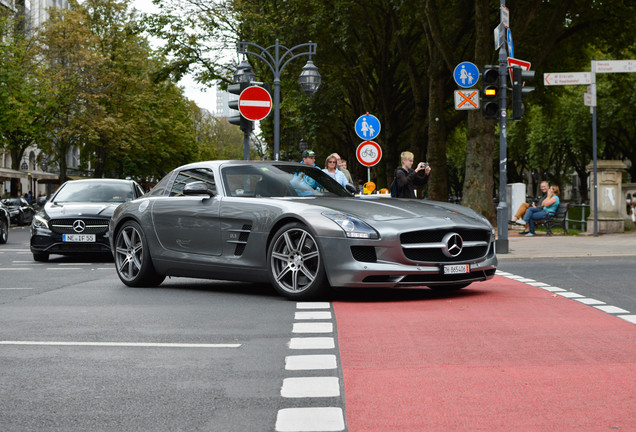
[518,217]
[549,208]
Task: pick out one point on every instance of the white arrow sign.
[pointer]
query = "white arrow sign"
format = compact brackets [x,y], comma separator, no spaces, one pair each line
[567,78]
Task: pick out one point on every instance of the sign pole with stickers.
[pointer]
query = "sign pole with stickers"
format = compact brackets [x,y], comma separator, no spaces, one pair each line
[369,152]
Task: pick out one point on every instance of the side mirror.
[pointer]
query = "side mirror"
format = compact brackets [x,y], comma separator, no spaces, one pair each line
[197,188]
[350,188]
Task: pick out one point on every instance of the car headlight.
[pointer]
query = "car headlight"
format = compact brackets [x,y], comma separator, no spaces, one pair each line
[352,227]
[40,222]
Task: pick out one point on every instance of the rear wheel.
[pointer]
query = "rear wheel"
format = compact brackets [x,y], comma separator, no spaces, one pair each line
[4,231]
[132,257]
[296,268]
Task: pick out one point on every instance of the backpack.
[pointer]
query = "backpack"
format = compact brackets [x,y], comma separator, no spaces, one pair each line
[394,185]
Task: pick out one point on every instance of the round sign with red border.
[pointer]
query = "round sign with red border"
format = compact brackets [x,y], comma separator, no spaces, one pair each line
[369,153]
[255,103]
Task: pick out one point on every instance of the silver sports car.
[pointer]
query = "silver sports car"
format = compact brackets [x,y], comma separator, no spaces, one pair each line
[295,226]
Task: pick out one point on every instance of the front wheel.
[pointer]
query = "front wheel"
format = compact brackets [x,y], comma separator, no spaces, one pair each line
[296,268]
[132,257]
[40,257]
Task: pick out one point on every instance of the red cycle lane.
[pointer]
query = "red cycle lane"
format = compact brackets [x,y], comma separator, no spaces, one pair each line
[496,356]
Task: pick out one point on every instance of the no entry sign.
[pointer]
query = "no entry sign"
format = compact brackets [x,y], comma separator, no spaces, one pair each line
[255,103]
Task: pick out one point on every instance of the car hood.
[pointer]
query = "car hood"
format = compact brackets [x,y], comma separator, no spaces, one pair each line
[387,209]
[66,210]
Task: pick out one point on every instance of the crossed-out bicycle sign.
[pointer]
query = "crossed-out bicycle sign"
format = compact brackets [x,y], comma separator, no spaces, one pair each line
[369,153]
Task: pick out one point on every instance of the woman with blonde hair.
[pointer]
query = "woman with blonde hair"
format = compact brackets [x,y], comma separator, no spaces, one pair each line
[332,170]
[549,207]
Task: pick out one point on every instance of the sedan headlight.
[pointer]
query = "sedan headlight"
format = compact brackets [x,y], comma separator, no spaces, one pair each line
[352,227]
[40,222]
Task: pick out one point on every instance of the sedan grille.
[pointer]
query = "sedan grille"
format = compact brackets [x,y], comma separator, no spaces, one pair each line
[91,226]
[431,245]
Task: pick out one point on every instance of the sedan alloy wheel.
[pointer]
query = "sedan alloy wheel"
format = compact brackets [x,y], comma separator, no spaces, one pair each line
[132,259]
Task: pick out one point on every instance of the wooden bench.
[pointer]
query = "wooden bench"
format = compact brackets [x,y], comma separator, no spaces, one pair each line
[559,219]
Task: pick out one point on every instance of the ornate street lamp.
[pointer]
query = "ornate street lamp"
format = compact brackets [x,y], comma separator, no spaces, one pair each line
[277,61]
[243,73]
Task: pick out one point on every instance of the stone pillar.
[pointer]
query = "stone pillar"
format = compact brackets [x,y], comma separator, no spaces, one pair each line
[611,202]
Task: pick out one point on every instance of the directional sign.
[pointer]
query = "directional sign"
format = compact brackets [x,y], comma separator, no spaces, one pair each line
[367,126]
[369,153]
[511,50]
[255,103]
[567,78]
[466,99]
[525,65]
[616,66]
[466,74]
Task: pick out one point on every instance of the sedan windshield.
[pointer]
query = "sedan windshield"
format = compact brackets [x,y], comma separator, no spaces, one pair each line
[94,192]
[279,181]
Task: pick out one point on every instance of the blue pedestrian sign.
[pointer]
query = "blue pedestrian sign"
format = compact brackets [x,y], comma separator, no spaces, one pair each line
[466,74]
[367,126]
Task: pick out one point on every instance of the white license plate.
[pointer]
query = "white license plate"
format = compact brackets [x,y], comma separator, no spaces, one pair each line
[457,269]
[78,238]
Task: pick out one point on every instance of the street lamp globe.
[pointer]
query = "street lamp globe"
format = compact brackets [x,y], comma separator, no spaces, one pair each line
[244,73]
[309,79]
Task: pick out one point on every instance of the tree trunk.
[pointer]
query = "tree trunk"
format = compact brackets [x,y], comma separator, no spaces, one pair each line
[438,183]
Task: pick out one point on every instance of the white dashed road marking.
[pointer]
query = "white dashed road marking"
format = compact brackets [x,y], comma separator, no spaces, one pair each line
[613,310]
[308,419]
[121,344]
[311,362]
[321,327]
[312,343]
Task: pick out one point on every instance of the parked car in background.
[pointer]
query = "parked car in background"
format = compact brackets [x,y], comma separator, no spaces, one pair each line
[5,222]
[75,219]
[20,210]
[293,225]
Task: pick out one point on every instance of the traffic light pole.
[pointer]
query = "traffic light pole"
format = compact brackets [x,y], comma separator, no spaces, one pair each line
[501,244]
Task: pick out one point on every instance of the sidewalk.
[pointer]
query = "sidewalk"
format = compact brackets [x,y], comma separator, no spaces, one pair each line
[560,246]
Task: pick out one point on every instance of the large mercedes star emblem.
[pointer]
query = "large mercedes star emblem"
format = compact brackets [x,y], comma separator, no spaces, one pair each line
[453,244]
[79,226]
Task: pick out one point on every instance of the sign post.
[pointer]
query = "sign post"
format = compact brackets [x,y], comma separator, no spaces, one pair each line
[369,154]
[589,99]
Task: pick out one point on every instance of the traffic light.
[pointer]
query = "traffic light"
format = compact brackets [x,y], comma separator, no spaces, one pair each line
[490,92]
[236,89]
[519,91]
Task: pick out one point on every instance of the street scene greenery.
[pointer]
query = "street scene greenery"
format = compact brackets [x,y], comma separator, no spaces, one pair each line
[91,79]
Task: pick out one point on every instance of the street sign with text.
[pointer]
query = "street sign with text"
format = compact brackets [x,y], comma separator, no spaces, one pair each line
[616,66]
[567,78]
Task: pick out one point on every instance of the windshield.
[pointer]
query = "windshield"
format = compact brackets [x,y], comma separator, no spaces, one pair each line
[108,192]
[279,181]
[12,202]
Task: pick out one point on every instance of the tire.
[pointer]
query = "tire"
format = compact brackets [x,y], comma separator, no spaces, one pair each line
[40,257]
[4,231]
[21,219]
[132,257]
[295,265]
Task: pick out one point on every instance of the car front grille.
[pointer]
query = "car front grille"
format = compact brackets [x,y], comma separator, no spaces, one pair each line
[92,226]
[475,245]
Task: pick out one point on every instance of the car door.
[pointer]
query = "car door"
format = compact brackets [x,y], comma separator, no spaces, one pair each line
[189,224]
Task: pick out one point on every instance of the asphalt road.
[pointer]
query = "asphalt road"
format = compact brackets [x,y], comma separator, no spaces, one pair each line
[80,351]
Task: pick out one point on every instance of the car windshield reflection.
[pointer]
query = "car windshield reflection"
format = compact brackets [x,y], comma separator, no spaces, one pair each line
[98,193]
[279,181]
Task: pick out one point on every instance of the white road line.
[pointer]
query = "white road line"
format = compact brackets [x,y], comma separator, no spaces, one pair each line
[590,301]
[612,309]
[322,327]
[313,305]
[306,387]
[11,289]
[122,344]
[15,269]
[552,288]
[630,318]
[570,294]
[318,419]
[312,343]
[63,268]
[311,362]
[316,315]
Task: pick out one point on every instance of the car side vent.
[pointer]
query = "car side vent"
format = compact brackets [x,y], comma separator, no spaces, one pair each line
[364,253]
[242,234]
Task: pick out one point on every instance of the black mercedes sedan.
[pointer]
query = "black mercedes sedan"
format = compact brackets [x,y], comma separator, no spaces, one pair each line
[20,210]
[75,219]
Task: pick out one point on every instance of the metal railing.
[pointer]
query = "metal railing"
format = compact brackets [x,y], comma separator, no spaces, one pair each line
[583,221]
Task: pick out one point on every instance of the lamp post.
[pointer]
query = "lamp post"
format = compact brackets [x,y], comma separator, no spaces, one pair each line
[276,57]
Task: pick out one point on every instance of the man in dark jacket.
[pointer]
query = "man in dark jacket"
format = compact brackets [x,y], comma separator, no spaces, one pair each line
[407,178]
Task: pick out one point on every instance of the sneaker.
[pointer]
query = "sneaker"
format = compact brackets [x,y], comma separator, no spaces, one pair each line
[530,234]
[520,222]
